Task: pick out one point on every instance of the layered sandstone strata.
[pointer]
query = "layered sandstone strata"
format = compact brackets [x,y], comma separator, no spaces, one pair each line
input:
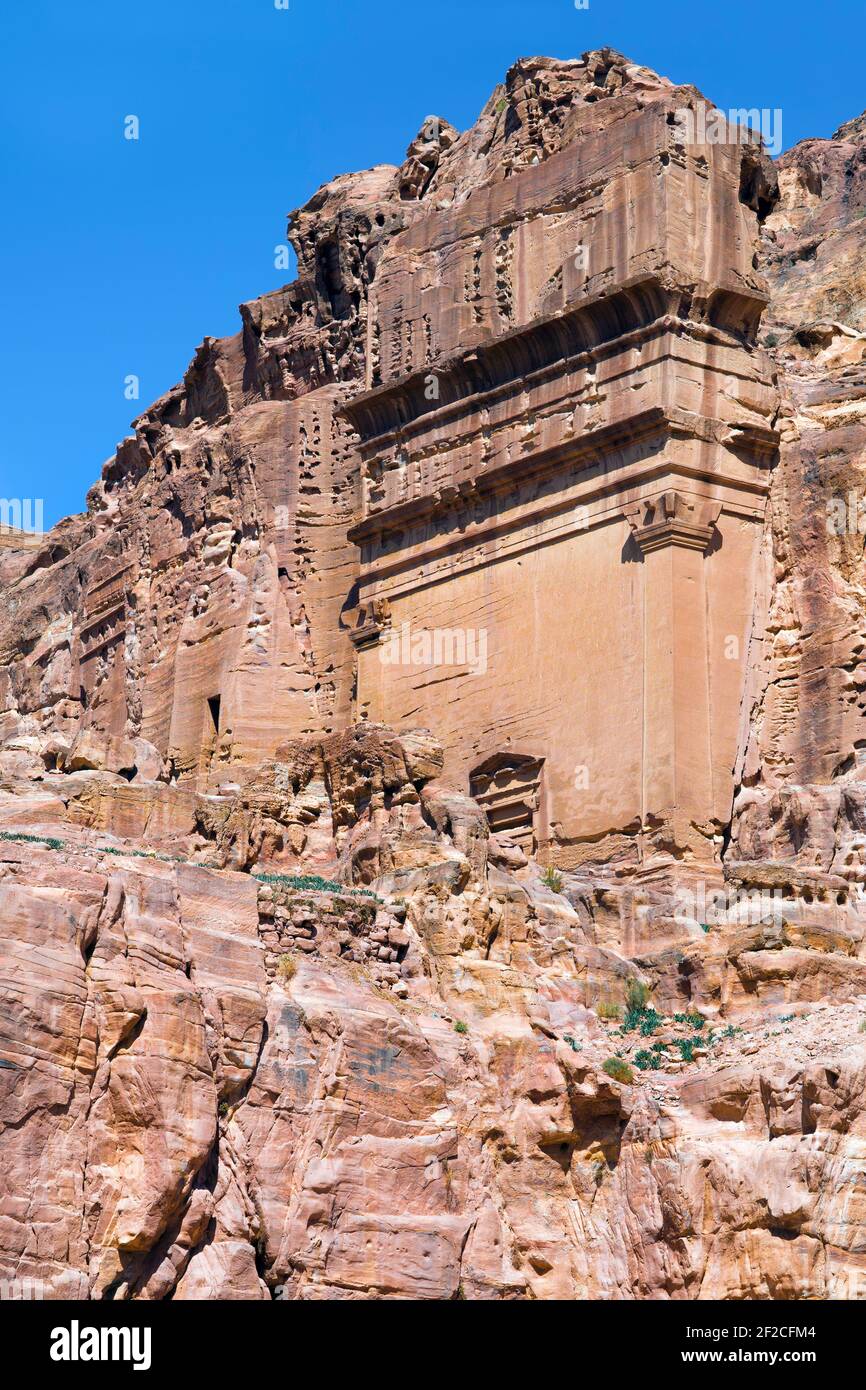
[288,1007]
[221,1086]
[566,444]
[802,798]
[519,367]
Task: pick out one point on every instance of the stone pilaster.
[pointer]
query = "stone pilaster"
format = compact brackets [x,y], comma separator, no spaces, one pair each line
[674,534]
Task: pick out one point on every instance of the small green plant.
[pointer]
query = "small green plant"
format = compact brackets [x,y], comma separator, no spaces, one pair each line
[646,1021]
[552,880]
[771,340]
[649,1023]
[141,854]
[286,968]
[575,1046]
[47,840]
[619,1070]
[606,1008]
[687,1047]
[639,1012]
[224,1108]
[647,1061]
[313,883]
[862,1028]
[636,996]
[460,1026]
[693,1020]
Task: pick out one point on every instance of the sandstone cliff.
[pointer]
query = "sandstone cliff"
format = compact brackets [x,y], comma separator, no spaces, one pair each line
[285,1011]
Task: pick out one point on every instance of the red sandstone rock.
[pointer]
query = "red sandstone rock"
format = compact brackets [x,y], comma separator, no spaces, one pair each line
[287,1007]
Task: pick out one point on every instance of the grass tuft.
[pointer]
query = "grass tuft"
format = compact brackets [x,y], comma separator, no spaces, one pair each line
[552,880]
[619,1070]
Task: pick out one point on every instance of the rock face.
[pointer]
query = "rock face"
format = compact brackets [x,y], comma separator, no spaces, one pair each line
[565,401]
[509,535]
[801,797]
[519,365]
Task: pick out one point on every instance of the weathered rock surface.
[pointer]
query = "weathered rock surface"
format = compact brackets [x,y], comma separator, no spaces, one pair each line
[802,791]
[217,1086]
[287,1006]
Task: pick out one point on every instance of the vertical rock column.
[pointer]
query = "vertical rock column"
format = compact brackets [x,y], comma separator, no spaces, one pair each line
[673,533]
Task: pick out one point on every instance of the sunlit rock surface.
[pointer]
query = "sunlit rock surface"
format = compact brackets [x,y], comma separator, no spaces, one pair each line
[316,965]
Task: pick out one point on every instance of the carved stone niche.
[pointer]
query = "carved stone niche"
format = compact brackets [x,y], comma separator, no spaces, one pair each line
[671,518]
[508,786]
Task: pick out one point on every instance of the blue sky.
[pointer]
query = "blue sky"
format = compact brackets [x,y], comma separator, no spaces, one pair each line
[119,256]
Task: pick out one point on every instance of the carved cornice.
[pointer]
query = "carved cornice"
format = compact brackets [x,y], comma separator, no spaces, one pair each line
[579,334]
[673,519]
[643,424]
[653,428]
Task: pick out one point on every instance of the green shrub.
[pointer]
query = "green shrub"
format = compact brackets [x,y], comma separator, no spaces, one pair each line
[639,1013]
[647,1061]
[606,1008]
[636,996]
[460,1026]
[286,968]
[552,880]
[693,1020]
[687,1047]
[619,1070]
[649,1023]
[575,1046]
[646,1021]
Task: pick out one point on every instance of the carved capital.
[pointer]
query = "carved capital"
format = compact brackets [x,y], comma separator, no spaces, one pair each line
[373,619]
[673,519]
